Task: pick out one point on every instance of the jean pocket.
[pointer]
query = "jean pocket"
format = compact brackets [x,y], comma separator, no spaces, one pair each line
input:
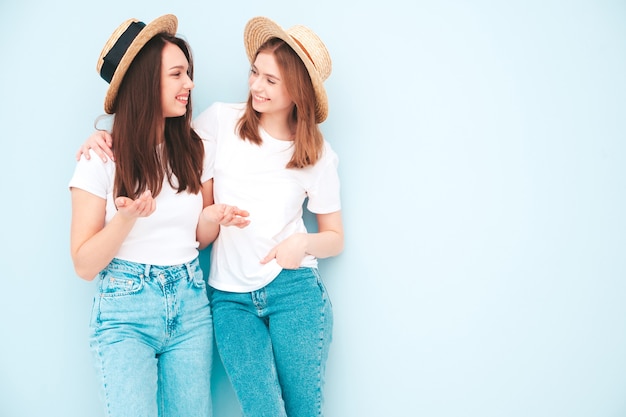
[197,276]
[119,282]
[321,285]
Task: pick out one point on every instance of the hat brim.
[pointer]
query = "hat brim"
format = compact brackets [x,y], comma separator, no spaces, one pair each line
[259,30]
[165,24]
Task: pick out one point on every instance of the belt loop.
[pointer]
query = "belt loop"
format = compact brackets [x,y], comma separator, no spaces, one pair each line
[189,271]
[146,272]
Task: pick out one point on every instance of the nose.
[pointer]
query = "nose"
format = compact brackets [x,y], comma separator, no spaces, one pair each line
[253,82]
[189,83]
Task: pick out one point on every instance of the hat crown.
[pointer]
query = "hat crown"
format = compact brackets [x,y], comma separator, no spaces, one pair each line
[115,48]
[314,48]
[121,48]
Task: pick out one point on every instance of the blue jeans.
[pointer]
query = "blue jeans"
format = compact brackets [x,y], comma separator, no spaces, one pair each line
[151,334]
[274,344]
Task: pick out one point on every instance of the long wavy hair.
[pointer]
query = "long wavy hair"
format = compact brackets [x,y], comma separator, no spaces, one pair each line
[148,147]
[309,141]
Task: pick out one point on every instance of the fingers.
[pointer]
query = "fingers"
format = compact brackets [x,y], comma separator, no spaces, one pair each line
[271,255]
[83,150]
[98,142]
[101,142]
[233,216]
[241,213]
[284,260]
[105,145]
[121,202]
[100,153]
[108,139]
[226,215]
[143,206]
[236,213]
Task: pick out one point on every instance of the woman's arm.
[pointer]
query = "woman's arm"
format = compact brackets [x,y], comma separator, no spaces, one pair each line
[92,244]
[327,242]
[207,228]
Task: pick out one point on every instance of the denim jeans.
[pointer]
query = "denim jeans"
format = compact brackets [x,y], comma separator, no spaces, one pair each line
[151,335]
[274,343]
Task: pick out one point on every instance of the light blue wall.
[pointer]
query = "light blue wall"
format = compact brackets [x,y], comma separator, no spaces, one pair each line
[483,163]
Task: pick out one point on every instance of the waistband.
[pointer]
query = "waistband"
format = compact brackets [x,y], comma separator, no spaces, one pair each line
[148,270]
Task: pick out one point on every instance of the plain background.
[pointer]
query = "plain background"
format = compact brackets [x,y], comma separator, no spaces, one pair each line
[482,156]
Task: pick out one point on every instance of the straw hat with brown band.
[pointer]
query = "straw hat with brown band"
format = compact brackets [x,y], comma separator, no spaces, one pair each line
[122,47]
[305,43]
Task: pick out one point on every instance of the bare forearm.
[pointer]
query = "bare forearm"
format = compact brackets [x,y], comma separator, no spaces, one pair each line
[324,244]
[329,240]
[96,253]
[206,232]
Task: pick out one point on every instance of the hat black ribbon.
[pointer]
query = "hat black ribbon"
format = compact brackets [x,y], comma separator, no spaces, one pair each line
[114,56]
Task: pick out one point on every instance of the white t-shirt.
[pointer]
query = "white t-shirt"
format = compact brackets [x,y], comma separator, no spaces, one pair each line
[167,236]
[255,178]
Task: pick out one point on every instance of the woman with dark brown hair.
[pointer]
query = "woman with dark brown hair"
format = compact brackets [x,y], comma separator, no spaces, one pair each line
[137,225]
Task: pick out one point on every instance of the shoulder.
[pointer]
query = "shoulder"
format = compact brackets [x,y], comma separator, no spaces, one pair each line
[93,175]
[216,115]
[95,164]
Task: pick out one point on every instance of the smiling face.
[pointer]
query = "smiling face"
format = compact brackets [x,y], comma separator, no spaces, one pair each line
[268,88]
[176,84]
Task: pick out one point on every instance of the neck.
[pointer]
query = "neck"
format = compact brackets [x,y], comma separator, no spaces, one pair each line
[277,127]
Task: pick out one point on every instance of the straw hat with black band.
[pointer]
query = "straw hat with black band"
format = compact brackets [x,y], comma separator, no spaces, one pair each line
[305,43]
[123,46]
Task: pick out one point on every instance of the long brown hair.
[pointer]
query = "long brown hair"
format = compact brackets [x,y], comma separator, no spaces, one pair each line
[139,129]
[309,142]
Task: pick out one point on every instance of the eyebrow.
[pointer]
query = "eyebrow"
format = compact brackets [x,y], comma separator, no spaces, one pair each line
[266,74]
[180,67]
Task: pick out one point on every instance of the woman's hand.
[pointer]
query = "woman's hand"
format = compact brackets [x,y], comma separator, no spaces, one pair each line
[226,215]
[328,241]
[101,142]
[290,252]
[141,207]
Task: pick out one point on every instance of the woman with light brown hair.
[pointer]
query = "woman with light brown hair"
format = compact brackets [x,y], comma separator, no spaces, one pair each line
[272,315]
